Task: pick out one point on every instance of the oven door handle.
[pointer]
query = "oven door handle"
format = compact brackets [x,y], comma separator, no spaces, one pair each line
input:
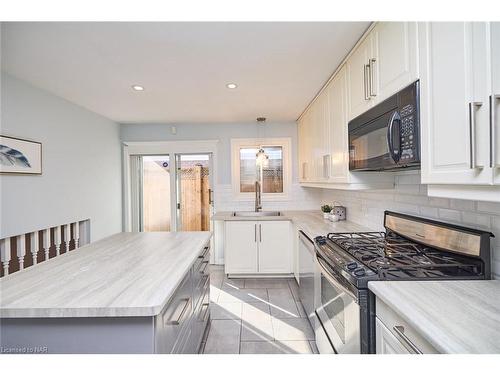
[395,154]
[332,280]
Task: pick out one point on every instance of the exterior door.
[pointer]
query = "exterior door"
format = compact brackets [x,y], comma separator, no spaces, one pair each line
[194,193]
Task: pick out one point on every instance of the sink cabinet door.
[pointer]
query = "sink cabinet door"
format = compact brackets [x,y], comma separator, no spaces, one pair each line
[275,246]
[241,247]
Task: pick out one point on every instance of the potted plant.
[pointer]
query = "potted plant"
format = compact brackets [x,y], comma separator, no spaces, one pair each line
[326,208]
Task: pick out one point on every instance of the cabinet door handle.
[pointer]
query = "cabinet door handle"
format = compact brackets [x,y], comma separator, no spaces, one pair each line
[403,339]
[255,232]
[182,311]
[365,80]
[472,130]
[260,232]
[304,170]
[493,131]
[326,166]
[371,65]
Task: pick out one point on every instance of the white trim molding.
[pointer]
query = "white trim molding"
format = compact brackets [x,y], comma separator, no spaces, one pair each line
[285,143]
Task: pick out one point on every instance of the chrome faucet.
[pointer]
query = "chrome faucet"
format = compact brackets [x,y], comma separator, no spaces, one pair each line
[258,201]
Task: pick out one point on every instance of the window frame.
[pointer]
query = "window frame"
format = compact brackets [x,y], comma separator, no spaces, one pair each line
[238,143]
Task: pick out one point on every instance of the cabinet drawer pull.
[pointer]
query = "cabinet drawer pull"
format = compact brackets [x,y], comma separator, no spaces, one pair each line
[405,341]
[202,271]
[181,312]
[472,137]
[205,251]
[371,65]
[204,311]
[365,80]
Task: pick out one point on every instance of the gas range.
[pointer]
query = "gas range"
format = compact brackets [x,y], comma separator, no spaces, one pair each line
[411,248]
[367,256]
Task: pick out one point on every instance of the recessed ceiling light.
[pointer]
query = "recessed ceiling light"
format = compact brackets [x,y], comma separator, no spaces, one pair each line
[137,88]
[231,85]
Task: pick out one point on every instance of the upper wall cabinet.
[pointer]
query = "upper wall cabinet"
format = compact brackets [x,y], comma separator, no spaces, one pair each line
[460,82]
[382,64]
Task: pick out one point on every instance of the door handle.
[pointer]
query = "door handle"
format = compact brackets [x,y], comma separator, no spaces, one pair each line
[472,130]
[255,232]
[326,166]
[260,232]
[403,339]
[371,64]
[493,131]
[395,154]
[210,197]
[365,79]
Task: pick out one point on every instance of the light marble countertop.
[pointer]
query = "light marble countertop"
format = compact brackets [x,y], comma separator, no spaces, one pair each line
[311,223]
[453,316]
[126,274]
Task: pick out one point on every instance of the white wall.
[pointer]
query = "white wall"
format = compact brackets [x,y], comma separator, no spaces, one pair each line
[409,196]
[81,164]
[300,198]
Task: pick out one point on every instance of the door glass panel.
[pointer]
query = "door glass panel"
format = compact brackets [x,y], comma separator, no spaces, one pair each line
[193,192]
[156,193]
[334,306]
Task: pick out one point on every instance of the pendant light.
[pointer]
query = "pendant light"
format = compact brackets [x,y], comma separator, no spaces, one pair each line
[261,159]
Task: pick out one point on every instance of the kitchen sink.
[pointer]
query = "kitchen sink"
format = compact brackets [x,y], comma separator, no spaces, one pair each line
[257,214]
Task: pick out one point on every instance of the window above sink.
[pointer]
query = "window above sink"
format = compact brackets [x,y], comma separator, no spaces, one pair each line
[276,168]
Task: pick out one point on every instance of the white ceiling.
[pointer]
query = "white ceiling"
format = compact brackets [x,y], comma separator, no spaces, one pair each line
[184,67]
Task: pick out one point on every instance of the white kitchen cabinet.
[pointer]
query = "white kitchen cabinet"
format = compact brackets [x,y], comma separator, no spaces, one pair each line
[358,74]
[394,62]
[451,103]
[275,247]
[241,247]
[386,342]
[459,75]
[494,44]
[258,247]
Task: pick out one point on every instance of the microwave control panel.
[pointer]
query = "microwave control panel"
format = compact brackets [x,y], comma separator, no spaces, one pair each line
[409,136]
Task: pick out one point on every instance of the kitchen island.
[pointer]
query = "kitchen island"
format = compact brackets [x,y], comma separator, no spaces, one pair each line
[127,293]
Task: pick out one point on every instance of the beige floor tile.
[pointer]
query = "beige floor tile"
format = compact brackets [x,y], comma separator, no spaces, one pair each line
[224,337]
[275,347]
[225,310]
[292,329]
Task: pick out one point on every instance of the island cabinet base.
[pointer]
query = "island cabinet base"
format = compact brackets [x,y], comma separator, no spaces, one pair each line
[77,335]
[178,328]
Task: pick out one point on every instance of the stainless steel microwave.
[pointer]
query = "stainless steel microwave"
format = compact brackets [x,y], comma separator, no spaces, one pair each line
[387,136]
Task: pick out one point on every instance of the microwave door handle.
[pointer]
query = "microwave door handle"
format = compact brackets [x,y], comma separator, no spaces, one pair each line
[390,137]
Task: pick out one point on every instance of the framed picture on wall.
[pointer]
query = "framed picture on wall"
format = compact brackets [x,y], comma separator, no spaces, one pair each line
[20,156]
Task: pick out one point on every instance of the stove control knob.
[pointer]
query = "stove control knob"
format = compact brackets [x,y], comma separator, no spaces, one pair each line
[359,272]
[320,240]
[352,266]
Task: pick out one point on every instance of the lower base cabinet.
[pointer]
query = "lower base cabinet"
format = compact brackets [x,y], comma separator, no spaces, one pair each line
[258,247]
[394,335]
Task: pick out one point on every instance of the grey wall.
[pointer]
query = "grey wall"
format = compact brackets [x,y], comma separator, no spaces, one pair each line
[81,164]
[223,132]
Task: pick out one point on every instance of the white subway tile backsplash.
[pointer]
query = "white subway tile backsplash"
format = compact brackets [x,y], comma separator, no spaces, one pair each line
[429,212]
[439,202]
[489,207]
[450,215]
[463,205]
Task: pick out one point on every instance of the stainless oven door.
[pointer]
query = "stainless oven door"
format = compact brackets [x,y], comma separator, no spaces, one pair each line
[338,313]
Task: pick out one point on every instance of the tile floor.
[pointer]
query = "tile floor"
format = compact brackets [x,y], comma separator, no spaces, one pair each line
[256,316]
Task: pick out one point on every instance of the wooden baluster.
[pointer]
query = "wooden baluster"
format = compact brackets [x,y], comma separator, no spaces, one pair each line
[21,250]
[34,246]
[76,234]
[57,239]
[67,236]
[5,254]
[46,242]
